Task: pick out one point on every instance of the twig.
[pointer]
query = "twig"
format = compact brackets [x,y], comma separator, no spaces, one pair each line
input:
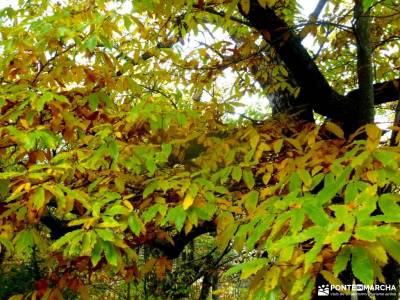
[50,60]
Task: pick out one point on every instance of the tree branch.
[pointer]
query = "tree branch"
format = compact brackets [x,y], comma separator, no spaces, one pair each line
[181,239]
[384,92]
[313,17]
[315,90]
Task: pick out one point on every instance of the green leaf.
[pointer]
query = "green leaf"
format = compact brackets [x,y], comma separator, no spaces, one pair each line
[248,268]
[341,261]
[66,238]
[110,253]
[297,220]
[259,231]
[388,204]
[24,242]
[7,244]
[339,238]
[134,223]
[117,210]
[250,201]
[366,4]
[305,177]
[91,43]
[295,182]
[166,150]
[364,233]
[317,214]
[151,166]
[88,240]
[113,149]
[105,234]
[392,247]
[96,253]
[387,158]
[38,198]
[362,266]
[127,21]
[311,256]
[93,101]
[150,188]
[94,183]
[236,173]
[178,216]
[150,213]
[332,188]
[46,97]
[248,178]
[4,187]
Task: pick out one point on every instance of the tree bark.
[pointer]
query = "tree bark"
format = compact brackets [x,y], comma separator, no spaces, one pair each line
[214,285]
[205,287]
[384,92]
[315,90]
[362,28]
[396,122]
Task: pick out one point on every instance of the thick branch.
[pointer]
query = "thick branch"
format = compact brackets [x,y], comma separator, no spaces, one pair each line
[181,240]
[315,90]
[387,91]
[313,84]
[58,228]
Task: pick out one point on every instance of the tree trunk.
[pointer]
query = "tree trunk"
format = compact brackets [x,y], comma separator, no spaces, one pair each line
[214,285]
[364,61]
[205,287]
[396,122]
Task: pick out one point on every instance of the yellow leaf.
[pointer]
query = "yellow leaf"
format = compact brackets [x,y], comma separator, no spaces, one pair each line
[254,140]
[305,177]
[263,3]
[272,278]
[27,187]
[84,293]
[335,129]
[277,145]
[148,266]
[188,227]
[264,147]
[16,297]
[187,202]
[266,178]
[245,4]
[373,132]
[24,123]
[316,169]
[295,143]
[128,205]
[379,253]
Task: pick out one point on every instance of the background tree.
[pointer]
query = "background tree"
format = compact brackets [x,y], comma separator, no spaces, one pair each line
[118,147]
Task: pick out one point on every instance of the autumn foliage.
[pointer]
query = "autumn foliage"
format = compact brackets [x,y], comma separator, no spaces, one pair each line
[98,162]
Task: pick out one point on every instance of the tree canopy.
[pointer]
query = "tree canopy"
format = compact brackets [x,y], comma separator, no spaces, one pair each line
[123,152]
